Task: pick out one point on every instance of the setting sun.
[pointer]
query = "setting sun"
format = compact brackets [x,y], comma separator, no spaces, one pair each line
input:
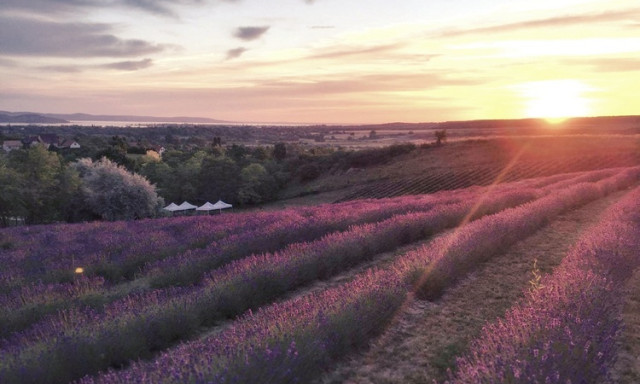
[555,100]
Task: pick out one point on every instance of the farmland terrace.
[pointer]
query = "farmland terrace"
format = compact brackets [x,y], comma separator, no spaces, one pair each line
[463,164]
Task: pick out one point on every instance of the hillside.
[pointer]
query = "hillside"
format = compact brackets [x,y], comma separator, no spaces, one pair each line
[29,118]
[335,293]
[422,344]
[462,164]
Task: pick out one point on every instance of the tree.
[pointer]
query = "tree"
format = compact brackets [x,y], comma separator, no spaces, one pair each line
[10,186]
[279,151]
[110,192]
[237,153]
[260,154]
[218,179]
[117,155]
[256,185]
[441,136]
[38,181]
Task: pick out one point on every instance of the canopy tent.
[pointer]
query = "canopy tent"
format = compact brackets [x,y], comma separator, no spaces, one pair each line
[171,207]
[221,205]
[206,207]
[186,206]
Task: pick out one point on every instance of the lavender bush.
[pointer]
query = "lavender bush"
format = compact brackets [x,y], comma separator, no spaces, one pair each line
[291,342]
[564,331]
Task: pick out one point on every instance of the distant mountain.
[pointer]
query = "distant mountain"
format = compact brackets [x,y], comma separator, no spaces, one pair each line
[29,118]
[135,119]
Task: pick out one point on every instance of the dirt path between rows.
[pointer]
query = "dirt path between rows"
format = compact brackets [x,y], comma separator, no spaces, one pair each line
[627,367]
[423,341]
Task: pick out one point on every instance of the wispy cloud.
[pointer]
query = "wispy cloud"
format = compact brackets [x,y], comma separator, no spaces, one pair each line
[351,51]
[250,33]
[366,84]
[130,65]
[62,68]
[158,7]
[235,53]
[617,64]
[8,63]
[559,21]
[30,37]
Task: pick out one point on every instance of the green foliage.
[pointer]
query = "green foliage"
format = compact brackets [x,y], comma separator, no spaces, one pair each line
[445,361]
[279,151]
[34,184]
[237,153]
[117,155]
[257,185]
[309,172]
[10,186]
[218,179]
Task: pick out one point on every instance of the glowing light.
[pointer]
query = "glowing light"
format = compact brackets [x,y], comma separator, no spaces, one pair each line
[79,270]
[555,100]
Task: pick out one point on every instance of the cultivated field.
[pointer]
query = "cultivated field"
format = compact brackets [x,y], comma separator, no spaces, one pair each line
[516,282]
[475,162]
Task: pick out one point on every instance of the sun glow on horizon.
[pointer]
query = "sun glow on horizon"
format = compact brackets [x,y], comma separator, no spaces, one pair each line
[555,100]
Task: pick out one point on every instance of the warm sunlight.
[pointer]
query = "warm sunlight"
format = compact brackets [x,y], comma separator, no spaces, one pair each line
[555,100]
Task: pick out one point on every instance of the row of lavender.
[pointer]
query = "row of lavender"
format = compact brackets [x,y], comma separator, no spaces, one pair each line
[294,340]
[31,303]
[236,235]
[565,330]
[80,341]
[117,250]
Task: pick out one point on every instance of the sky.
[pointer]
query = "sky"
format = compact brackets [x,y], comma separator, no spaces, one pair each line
[322,61]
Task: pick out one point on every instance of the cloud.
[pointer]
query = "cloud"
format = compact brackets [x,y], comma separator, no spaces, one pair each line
[8,63]
[235,53]
[29,37]
[62,68]
[350,51]
[250,33]
[559,21]
[158,7]
[365,84]
[620,64]
[130,65]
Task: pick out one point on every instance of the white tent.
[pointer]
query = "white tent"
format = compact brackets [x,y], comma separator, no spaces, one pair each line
[171,207]
[206,207]
[186,206]
[221,205]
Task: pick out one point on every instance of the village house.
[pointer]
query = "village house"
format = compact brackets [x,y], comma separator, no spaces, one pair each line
[10,145]
[72,144]
[158,148]
[32,141]
[49,141]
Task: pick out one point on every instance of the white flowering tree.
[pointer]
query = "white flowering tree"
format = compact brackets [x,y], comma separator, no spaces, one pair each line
[111,192]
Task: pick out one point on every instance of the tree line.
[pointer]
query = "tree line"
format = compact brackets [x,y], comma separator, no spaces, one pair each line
[37,186]
[117,181]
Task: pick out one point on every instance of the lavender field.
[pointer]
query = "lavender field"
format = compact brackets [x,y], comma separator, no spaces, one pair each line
[286,296]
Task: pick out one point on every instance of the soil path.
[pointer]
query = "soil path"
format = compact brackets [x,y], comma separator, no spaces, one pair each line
[627,367]
[423,341]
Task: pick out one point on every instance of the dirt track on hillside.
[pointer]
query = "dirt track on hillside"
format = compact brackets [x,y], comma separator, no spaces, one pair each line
[423,341]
